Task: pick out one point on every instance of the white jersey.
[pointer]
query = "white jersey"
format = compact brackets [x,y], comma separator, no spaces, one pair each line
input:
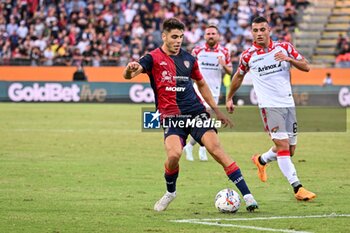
[271,79]
[209,65]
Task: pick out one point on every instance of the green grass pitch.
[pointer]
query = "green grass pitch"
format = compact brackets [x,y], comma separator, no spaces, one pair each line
[89,168]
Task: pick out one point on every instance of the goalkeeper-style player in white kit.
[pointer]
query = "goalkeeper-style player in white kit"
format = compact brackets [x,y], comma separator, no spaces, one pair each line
[269,63]
[213,60]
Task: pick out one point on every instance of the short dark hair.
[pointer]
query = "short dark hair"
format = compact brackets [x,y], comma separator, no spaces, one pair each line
[173,23]
[260,19]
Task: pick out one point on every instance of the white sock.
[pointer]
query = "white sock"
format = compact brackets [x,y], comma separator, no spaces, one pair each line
[287,168]
[192,142]
[269,156]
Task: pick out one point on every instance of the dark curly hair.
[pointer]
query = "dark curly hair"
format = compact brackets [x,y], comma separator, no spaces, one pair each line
[172,23]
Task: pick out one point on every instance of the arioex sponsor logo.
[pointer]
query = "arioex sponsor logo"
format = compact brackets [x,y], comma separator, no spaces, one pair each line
[209,64]
[50,92]
[268,67]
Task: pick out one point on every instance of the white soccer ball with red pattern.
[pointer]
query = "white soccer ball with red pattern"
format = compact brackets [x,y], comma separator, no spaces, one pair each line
[227,201]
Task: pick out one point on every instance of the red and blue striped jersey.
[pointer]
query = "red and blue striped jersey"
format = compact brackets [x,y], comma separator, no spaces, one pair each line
[171,80]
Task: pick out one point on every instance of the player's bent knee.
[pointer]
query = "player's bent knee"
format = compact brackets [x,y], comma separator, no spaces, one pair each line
[172,154]
[173,160]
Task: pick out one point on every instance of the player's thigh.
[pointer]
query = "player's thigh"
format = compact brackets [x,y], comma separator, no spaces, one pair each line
[173,145]
[274,120]
[210,140]
[198,130]
[174,141]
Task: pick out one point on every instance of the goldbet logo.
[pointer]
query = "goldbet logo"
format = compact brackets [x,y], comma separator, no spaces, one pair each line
[50,92]
[139,93]
[55,92]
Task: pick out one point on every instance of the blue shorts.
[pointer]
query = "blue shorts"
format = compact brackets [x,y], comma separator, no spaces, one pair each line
[195,130]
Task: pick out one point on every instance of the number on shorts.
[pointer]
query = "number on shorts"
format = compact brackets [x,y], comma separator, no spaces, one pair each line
[295,127]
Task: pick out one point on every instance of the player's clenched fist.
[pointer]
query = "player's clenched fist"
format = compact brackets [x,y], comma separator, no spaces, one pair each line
[132,66]
[132,69]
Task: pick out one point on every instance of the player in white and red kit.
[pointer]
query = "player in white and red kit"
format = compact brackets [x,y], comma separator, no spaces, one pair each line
[213,60]
[268,63]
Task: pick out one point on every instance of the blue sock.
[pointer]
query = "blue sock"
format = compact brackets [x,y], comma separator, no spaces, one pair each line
[239,181]
[171,182]
[170,178]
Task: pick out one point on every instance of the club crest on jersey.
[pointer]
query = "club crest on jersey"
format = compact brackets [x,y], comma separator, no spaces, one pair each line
[187,64]
[166,76]
[275,129]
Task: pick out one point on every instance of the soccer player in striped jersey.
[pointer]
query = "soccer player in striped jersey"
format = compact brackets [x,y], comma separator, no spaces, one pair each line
[170,70]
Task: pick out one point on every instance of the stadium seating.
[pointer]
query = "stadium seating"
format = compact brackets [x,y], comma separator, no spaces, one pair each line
[113,28]
[320,27]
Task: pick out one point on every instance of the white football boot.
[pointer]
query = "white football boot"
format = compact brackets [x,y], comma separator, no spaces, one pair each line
[163,203]
[250,202]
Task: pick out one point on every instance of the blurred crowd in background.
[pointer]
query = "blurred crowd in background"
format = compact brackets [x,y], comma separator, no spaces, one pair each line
[343,52]
[114,32]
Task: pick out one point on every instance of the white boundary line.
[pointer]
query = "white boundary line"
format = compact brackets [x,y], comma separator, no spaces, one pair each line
[244,227]
[207,222]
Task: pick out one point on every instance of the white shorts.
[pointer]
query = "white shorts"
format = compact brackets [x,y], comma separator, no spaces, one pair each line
[281,123]
[216,98]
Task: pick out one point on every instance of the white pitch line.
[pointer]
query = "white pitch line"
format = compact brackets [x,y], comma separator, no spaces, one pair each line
[243,227]
[272,217]
[205,221]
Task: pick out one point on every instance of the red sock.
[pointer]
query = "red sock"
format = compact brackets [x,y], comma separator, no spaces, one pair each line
[231,168]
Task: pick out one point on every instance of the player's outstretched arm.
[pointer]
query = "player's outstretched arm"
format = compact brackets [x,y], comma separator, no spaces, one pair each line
[132,70]
[235,84]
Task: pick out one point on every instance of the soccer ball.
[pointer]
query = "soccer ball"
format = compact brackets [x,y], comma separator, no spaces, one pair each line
[227,201]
